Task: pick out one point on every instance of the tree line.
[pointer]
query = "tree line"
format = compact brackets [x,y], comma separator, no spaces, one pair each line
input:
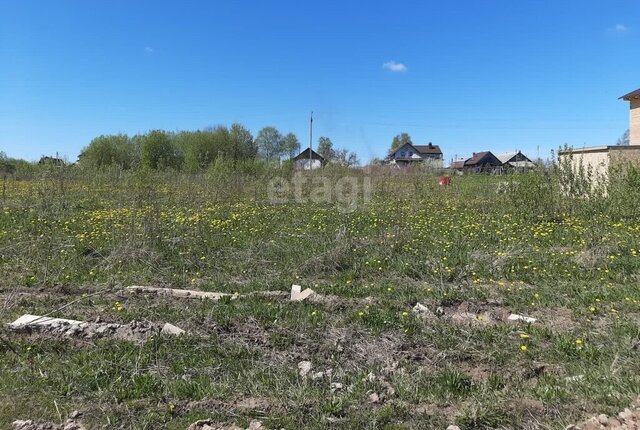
[196,150]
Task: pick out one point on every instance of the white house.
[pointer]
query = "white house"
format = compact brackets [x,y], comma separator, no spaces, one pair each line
[308,160]
[409,154]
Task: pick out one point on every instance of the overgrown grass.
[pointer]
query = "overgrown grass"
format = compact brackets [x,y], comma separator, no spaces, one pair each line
[535,249]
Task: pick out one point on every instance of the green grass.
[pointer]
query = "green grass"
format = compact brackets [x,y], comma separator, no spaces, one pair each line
[571,262]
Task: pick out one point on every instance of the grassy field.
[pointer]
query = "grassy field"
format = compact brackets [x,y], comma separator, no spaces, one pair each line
[469,254]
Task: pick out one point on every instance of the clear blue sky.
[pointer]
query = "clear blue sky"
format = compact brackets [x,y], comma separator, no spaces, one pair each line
[467,75]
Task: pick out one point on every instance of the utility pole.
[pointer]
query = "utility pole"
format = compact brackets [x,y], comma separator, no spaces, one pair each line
[310,140]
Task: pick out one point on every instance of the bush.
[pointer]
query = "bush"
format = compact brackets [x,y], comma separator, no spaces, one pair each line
[111,150]
[158,152]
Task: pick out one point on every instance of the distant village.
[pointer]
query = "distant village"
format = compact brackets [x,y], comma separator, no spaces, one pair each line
[408,155]
[598,159]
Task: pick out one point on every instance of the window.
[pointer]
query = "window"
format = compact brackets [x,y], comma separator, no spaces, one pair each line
[402,154]
[410,153]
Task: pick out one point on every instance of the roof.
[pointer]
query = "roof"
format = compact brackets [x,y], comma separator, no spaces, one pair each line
[506,156]
[588,149]
[477,158]
[520,158]
[304,155]
[632,95]
[428,149]
[457,164]
[420,149]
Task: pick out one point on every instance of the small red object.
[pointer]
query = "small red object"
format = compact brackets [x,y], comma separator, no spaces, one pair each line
[444,181]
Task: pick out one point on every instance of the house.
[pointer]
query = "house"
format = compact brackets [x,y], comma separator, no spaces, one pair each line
[481,162]
[409,154]
[308,160]
[515,160]
[600,159]
[46,160]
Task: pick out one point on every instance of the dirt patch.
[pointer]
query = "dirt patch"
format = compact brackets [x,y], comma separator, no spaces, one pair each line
[245,404]
[249,331]
[526,406]
[479,373]
[558,319]
[337,302]
[253,404]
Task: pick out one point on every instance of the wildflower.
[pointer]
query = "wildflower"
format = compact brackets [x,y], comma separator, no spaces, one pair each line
[523,348]
[314,313]
[578,342]
[524,336]
[360,314]
[405,314]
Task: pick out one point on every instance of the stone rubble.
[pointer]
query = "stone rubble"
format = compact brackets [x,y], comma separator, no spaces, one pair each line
[59,327]
[628,419]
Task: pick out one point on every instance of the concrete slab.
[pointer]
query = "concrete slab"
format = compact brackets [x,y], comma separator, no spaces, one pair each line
[175,292]
[297,295]
[30,320]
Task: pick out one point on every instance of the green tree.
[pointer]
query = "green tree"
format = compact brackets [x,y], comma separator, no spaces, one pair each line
[291,145]
[157,151]
[197,148]
[269,143]
[325,147]
[110,150]
[242,142]
[399,140]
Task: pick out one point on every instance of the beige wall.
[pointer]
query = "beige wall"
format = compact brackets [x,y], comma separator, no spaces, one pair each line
[631,156]
[634,122]
[597,162]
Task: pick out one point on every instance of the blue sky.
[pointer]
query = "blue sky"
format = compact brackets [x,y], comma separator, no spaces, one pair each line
[466,75]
